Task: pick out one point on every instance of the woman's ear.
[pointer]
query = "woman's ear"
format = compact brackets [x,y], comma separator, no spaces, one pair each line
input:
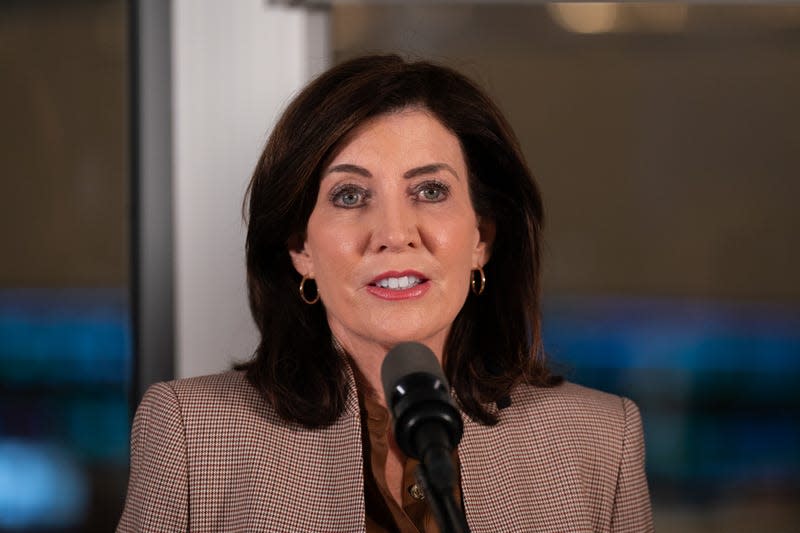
[483,251]
[301,258]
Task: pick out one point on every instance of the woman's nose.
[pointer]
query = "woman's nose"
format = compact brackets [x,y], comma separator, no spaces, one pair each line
[395,228]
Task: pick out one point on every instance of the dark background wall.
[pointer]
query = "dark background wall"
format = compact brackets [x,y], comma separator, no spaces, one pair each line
[64,216]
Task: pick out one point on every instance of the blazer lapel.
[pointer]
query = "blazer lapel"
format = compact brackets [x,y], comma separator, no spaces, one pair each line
[328,491]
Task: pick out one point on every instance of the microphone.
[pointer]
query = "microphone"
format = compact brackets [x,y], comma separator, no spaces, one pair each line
[418,397]
[427,425]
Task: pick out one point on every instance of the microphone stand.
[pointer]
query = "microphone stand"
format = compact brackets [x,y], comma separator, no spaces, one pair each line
[436,474]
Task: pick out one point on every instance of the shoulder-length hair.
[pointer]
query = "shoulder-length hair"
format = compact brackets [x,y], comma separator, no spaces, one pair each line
[494,342]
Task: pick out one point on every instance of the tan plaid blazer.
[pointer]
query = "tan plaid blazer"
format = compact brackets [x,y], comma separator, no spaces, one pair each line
[207,454]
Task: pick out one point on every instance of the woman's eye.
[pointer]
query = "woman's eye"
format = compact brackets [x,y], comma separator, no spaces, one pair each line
[433,191]
[349,197]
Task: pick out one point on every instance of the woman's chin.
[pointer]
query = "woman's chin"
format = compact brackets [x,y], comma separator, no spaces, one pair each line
[434,340]
[385,330]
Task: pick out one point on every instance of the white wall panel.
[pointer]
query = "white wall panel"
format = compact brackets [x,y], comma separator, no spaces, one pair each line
[235,66]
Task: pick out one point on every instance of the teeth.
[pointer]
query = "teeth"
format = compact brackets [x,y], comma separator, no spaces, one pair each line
[401,283]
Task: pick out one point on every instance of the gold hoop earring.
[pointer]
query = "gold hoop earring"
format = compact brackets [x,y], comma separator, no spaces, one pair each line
[479,290]
[303,292]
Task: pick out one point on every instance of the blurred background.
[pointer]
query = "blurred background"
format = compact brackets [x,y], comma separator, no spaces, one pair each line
[664,136]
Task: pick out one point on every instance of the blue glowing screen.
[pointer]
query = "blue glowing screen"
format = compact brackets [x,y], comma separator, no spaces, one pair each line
[65,357]
[716,382]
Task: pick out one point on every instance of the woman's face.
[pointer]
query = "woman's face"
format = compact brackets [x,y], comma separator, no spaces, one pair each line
[393,237]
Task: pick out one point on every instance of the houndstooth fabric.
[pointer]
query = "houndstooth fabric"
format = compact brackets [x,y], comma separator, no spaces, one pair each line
[208,455]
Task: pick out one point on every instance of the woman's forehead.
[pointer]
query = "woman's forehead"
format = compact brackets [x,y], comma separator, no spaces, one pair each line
[414,136]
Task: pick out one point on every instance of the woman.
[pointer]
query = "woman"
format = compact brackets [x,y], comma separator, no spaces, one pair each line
[391,203]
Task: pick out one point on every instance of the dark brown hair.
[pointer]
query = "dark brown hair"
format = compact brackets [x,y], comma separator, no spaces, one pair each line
[494,342]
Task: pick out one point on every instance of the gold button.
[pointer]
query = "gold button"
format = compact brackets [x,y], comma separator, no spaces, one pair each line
[416,492]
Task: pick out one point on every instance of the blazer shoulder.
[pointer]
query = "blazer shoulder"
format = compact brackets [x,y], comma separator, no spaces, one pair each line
[230,386]
[571,398]
[224,397]
[586,414]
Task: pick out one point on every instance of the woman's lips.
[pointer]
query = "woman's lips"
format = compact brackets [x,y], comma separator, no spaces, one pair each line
[395,285]
[400,294]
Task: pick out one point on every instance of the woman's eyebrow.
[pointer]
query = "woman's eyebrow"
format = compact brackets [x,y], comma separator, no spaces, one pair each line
[429,169]
[350,169]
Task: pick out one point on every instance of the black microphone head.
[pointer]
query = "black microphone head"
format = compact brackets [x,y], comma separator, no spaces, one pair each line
[408,358]
[418,398]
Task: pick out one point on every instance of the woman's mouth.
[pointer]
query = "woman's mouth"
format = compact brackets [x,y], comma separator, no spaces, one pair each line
[399,285]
